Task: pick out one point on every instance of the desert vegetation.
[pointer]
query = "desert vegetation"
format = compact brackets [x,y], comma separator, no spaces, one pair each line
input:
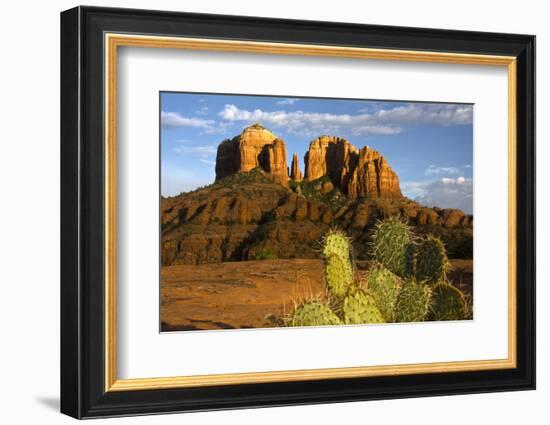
[407,282]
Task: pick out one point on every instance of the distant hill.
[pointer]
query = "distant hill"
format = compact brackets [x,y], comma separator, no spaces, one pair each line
[258,208]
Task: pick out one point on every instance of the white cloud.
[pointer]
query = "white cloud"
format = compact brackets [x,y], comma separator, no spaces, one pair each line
[382,130]
[287,101]
[173,119]
[458,181]
[444,193]
[221,127]
[307,123]
[201,151]
[432,170]
[431,113]
[382,122]
[414,189]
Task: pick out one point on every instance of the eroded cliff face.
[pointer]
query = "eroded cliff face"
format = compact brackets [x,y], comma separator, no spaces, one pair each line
[255,147]
[330,156]
[272,159]
[373,177]
[244,215]
[358,173]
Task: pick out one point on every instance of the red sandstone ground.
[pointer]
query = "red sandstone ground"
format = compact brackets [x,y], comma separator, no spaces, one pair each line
[249,294]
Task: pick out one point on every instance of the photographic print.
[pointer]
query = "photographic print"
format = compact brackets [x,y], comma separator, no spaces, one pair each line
[291,211]
[203,198]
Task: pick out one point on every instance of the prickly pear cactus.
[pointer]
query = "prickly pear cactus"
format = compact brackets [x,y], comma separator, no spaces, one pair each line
[413,302]
[359,307]
[392,246]
[384,287]
[430,260]
[448,303]
[313,313]
[335,242]
[338,274]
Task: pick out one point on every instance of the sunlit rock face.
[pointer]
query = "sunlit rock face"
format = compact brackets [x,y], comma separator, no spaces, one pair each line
[295,172]
[358,173]
[255,147]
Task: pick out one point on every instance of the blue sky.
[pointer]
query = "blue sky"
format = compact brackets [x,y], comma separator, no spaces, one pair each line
[429,145]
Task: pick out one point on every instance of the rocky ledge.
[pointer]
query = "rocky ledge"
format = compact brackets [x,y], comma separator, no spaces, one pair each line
[247,216]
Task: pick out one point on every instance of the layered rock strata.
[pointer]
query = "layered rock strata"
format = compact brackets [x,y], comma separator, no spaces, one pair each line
[254,147]
[358,173]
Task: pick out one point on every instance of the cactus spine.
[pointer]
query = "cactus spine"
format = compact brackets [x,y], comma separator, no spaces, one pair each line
[413,302]
[360,308]
[336,242]
[338,275]
[430,260]
[313,313]
[405,284]
[385,287]
[448,303]
[391,246]
[338,265]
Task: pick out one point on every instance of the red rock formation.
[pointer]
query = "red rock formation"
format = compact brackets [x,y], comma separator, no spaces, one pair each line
[295,172]
[330,156]
[254,147]
[373,177]
[272,159]
[247,214]
[359,174]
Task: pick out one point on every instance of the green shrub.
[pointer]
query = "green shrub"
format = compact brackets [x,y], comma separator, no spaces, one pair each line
[265,254]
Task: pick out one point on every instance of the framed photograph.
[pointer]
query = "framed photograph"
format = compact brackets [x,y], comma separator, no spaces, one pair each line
[261,212]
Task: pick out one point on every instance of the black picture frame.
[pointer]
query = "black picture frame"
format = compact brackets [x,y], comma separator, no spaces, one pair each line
[83,392]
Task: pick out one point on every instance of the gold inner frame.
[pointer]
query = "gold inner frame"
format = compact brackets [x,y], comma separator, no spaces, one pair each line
[113,41]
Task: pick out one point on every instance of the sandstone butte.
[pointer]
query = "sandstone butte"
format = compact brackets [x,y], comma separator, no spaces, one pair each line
[254,147]
[359,173]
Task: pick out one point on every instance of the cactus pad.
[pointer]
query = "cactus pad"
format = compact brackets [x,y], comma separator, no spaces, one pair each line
[338,275]
[448,303]
[360,308]
[391,246]
[335,242]
[384,287]
[413,302]
[313,313]
[430,260]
